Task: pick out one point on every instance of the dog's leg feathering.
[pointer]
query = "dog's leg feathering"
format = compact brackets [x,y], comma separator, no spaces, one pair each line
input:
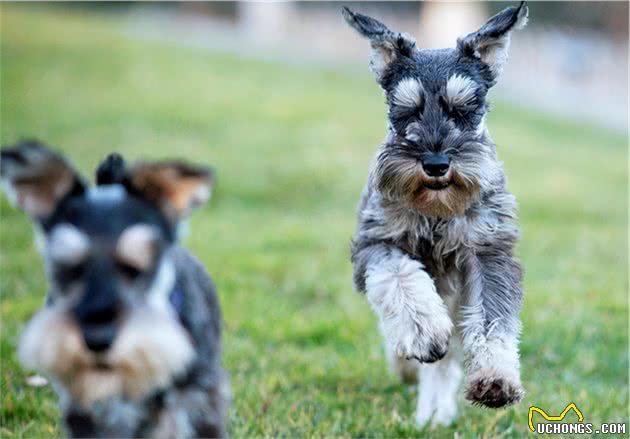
[437,391]
[490,329]
[413,317]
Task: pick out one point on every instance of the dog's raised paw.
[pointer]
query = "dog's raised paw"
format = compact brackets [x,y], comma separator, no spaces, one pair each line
[494,391]
[423,344]
[436,352]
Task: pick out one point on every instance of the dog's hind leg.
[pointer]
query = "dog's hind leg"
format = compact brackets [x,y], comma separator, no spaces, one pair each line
[437,391]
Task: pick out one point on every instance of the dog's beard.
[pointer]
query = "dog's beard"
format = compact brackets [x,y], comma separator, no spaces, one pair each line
[151,349]
[403,180]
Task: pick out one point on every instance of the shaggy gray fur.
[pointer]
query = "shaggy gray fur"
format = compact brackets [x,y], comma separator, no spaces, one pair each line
[461,227]
[199,400]
[132,312]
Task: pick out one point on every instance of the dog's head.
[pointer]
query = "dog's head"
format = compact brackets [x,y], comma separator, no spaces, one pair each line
[110,327]
[437,155]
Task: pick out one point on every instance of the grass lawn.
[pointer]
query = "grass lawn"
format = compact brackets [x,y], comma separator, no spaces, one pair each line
[291,146]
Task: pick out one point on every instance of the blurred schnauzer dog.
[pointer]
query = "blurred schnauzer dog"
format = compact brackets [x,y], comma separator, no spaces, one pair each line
[131,331]
[434,246]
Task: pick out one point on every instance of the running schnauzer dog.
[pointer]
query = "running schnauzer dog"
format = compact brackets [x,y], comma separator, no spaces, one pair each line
[434,246]
[131,331]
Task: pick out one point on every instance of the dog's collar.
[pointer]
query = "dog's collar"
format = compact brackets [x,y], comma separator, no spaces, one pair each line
[176,297]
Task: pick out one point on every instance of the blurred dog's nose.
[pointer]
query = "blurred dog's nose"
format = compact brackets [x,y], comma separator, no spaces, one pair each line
[98,326]
[99,338]
[436,165]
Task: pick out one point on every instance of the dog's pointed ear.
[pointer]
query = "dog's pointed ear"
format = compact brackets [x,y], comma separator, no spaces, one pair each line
[173,186]
[36,179]
[387,45]
[491,42]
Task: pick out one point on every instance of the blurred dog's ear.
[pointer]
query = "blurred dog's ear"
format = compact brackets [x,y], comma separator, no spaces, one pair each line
[387,45]
[36,179]
[491,42]
[112,170]
[175,187]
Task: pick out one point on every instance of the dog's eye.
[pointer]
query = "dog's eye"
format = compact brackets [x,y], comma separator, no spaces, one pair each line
[67,273]
[401,117]
[128,271]
[458,113]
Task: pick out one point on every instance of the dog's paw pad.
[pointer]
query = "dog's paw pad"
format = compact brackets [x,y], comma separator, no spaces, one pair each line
[494,392]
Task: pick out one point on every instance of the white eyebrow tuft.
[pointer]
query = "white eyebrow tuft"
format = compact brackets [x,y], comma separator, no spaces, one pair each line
[460,90]
[408,93]
[137,245]
[67,244]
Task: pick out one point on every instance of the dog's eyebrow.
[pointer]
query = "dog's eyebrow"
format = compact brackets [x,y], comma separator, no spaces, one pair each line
[136,246]
[68,245]
[408,93]
[460,90]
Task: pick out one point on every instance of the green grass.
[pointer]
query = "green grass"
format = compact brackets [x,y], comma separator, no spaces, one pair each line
[292,146]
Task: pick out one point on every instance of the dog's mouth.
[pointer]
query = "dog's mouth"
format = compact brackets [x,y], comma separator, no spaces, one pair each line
[437,185]
[102,365]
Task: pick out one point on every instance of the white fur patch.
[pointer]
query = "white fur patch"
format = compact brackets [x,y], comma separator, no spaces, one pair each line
[490,354]
[408,93]
[9,191]
[494,51]
[51,343]
[460,90]
[437,391]
[412,314]
[67,244]
[380,58]
[137,246]
[163,283]
[493,355]
[106,193]
[482,128]
[150,349]
[522,19]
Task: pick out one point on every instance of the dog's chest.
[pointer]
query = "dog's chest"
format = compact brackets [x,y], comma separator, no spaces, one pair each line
[433,244]
[438,247]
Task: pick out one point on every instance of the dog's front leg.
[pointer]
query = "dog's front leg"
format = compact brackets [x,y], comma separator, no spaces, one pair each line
[490,328]
[413,318]
[115,417]
[192,411]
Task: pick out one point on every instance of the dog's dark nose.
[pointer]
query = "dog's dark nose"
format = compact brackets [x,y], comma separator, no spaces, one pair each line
[99,338]
[98,310]
[97,322]
[436,165]
[98,327]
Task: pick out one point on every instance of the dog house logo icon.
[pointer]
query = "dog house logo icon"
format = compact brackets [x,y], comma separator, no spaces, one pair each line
[547,417]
